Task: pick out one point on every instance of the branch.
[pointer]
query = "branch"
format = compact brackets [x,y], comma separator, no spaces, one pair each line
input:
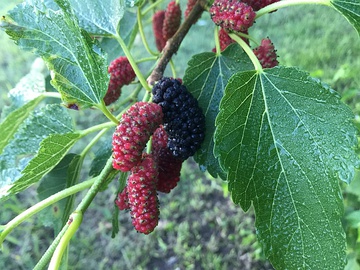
[173,44]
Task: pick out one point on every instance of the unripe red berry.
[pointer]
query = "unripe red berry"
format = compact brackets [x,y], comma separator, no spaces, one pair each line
[172,20]
[122,200]
[142,196]
[232,15]
[158,23]
[266,54]
[131,135]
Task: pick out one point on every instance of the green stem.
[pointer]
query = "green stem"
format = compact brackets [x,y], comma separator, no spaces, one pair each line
[217,41]
[107,113]
[46,257]
[142,34]
[173,70]
[151,7]
[97,128]
[74,222]
[52,94]
[288,3]
[43,204]
[248,51]
[132,62]
[76,217]
[146,59]
[93,141]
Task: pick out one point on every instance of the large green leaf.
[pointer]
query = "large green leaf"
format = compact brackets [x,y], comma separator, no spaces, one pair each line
[206,77]
[285,141]
[25,142]
[52,150]
[78,66]
[350,9]
[99,16]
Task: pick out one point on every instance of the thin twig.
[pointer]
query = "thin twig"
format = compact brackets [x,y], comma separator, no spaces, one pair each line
[173,44]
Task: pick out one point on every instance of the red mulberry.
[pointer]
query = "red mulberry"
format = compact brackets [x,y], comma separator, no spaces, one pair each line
[157,23]
[121,73]
[259,4]
[122,200]
[133,132]
[172,20]
[266,54]
[232,15]
[143,200]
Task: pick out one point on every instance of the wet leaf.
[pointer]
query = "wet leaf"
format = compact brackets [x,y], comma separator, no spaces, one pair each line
[77,64]
[99,17]
[285,141]
[350,9]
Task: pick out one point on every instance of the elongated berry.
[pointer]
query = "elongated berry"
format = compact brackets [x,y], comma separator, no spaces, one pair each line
[266,54]
[169,167]
[232,15]
[189,6]
[131,135]
[172,20]
[121,73]
[142,196]
[158,23]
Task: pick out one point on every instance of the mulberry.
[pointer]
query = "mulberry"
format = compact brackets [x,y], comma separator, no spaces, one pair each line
[157,23]
[172,20]
[122,200]
[133,132]
[121,73]
[259,4]
[266,54]
[189,6]
[169,167]
[184,121]
[143,200]
[232,15]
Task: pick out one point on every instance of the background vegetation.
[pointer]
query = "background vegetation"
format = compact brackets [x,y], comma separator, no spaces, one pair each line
[200,227]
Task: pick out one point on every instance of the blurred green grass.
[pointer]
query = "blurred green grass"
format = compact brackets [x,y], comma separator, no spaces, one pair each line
[200,228]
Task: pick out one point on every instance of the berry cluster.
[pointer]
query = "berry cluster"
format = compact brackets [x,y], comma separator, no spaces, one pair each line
[166,23]
[149,173]
[184,121]
[121,73]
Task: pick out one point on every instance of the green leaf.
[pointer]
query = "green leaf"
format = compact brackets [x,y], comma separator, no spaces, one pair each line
[79,70]
[101,157]
[285,140]
[52,150]
[11,124]
[128,30]
[99,17]
[350,9]
[206,77]
[52,183]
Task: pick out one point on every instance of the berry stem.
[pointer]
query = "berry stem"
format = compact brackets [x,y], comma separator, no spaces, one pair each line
[96,128]
[12,224]
[288,3]
[142,34]
[217,41]
[248,51]
[173,70]
[151,7]
[146,59]
[73,224]
[107,113]
[132,62]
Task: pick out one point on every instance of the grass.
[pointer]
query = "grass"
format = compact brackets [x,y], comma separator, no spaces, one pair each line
[200,228]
